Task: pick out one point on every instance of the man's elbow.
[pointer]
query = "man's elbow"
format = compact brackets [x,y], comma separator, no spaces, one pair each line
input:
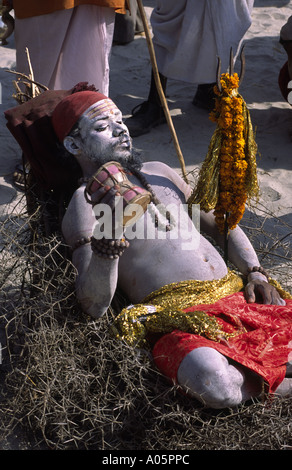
[94,307]
[94,298]
[91,308]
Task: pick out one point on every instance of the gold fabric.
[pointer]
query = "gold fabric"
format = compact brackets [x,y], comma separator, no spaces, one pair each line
[252,185]
[135,323]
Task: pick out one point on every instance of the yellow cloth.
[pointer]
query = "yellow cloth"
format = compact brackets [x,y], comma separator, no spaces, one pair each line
[134,323]
[29,8]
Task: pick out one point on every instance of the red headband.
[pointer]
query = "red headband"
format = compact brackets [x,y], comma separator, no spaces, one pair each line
[71,108]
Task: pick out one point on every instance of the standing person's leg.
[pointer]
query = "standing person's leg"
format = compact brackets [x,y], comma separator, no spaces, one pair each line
[67,46]
[148,114]
[86,49]
[166,21]
[188,37]
[128,24]
[43,36]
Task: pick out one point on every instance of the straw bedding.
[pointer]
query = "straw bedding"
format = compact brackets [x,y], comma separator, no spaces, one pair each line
[67,384]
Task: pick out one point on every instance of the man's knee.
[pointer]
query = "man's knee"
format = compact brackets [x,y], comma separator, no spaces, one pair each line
[208,376]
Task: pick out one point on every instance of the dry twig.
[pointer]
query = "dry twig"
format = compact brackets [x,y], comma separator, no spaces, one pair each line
[70,385]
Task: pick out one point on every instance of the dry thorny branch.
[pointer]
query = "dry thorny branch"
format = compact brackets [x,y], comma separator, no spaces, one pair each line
[26,87]
[67,384]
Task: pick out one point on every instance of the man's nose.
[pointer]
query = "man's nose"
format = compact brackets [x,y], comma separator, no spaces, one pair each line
[119,128]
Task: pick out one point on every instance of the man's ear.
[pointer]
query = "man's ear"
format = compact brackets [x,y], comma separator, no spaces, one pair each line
[72,145]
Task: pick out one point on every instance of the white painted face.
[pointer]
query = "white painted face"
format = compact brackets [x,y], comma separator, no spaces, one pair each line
[102,135]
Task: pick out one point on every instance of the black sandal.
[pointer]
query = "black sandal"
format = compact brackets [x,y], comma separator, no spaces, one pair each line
[144,117]
[205,97]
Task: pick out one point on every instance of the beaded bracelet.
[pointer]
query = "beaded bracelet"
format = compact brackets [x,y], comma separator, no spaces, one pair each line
[111,249]
[81,242]
[257,269]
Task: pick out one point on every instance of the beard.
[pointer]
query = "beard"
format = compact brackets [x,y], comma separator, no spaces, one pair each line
[130,160]
[135,162]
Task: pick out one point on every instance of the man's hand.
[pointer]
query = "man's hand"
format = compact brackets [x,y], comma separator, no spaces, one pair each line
[259,290]
[105,195]
[106,201]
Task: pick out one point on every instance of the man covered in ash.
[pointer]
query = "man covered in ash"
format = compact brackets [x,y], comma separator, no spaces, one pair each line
[238,339]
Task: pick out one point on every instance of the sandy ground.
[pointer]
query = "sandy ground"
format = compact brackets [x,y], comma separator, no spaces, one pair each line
[130,77]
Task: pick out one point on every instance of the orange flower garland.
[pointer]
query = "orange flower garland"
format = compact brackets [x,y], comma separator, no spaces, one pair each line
[228,175]
[233,166]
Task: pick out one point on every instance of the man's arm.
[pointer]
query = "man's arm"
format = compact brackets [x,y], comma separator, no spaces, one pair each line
[96,281]
[96,277]
[240,251]
[242,255]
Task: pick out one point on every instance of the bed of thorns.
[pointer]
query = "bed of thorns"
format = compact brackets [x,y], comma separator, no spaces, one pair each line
[66,383]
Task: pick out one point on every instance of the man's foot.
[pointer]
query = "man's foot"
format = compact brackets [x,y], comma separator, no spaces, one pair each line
[144,117]
[205,97]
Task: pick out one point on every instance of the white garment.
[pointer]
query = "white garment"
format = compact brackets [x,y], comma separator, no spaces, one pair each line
[67,46]
[190,35]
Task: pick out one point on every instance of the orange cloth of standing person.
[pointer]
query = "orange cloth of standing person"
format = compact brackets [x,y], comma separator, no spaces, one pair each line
[29,8]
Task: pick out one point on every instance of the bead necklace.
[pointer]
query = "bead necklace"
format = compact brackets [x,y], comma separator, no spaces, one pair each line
[156,207]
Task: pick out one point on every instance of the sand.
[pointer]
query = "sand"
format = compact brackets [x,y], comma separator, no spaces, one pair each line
[129,85]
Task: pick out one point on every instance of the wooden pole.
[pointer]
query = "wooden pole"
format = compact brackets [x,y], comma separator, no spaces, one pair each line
[160,89]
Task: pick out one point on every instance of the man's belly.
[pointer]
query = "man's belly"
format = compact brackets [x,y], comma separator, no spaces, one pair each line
[150,264]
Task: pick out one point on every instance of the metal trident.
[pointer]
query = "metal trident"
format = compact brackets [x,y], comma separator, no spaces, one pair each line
[231,68]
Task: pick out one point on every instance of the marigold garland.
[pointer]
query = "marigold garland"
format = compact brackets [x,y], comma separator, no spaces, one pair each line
[228,175]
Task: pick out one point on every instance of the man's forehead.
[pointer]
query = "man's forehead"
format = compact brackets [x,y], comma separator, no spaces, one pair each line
[101,109]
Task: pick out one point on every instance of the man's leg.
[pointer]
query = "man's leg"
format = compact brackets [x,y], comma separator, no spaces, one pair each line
[285,387]
[208,376]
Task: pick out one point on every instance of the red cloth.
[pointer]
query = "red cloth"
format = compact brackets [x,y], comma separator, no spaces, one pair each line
[263,346]
[70,109]
[31,125]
